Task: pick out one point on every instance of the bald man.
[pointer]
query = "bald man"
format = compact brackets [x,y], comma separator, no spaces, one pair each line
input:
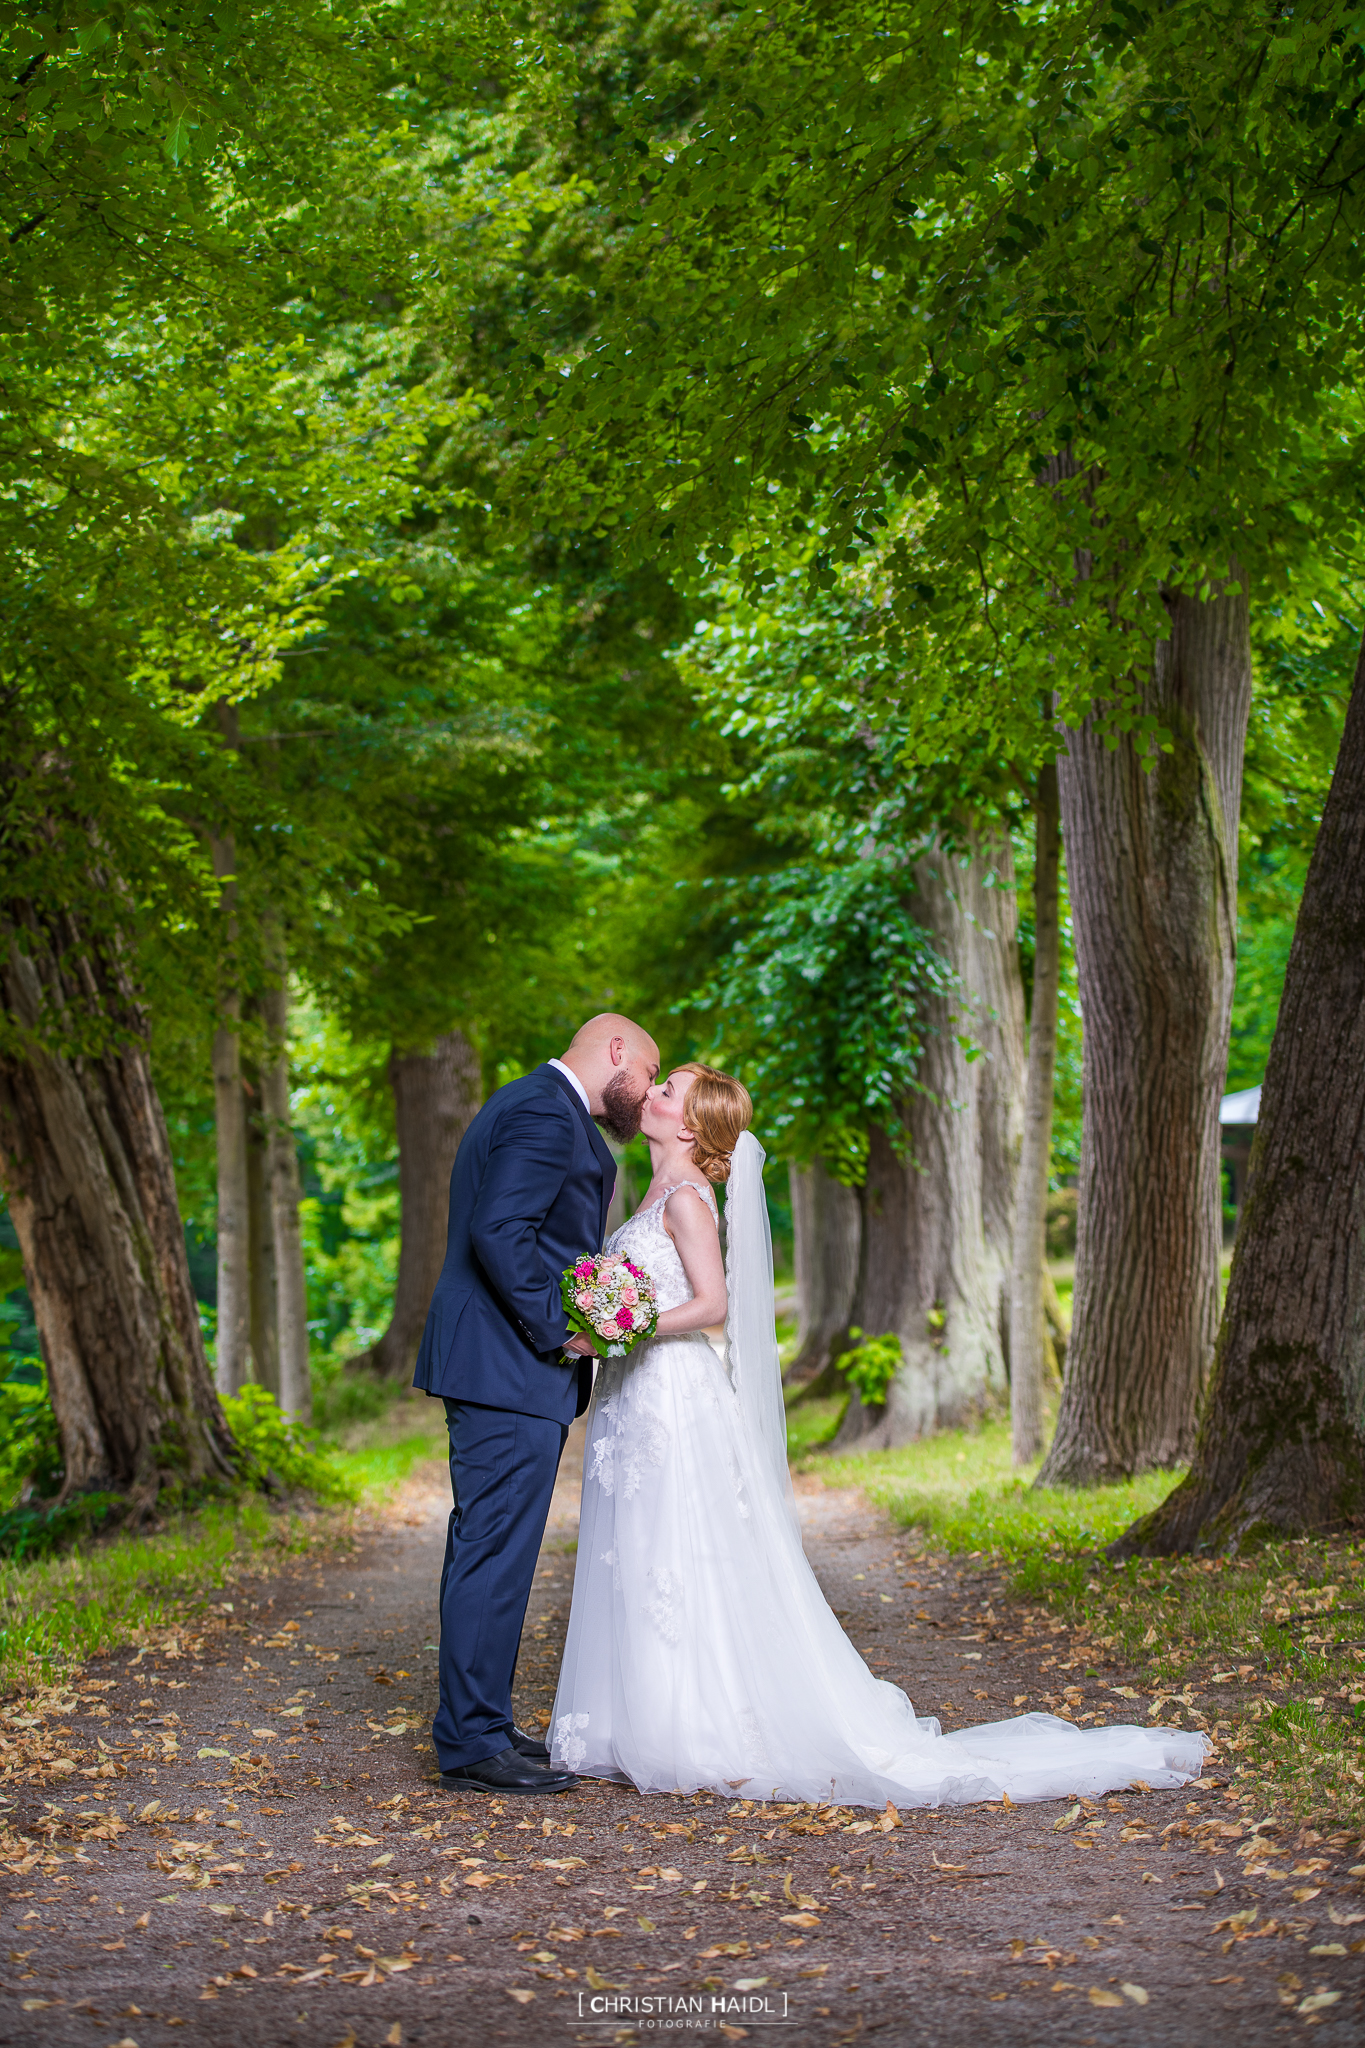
[529,1193]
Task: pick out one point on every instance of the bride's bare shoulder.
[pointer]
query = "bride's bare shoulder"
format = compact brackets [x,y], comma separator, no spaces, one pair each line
[691,1206]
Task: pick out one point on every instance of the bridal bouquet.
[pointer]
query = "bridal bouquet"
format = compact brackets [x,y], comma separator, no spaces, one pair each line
[610,1300]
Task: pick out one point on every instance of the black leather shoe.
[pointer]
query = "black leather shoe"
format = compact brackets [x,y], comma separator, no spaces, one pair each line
[509,1773]
[529,1745]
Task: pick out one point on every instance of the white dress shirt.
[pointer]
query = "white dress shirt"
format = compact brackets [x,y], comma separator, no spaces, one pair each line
[571,1077]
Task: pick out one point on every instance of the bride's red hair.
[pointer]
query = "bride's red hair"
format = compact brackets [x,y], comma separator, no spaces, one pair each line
[716,1109]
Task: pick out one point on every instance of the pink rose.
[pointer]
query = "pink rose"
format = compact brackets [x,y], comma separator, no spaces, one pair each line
[608,1327]
[630,1296]
[583,1299]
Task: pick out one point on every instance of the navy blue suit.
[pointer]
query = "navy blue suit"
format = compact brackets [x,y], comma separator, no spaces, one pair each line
[529,1192]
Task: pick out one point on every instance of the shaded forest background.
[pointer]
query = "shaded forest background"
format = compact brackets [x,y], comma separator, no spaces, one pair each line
[509,515]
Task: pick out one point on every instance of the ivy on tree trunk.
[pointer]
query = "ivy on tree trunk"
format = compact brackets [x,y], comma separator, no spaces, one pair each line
[1281,1448]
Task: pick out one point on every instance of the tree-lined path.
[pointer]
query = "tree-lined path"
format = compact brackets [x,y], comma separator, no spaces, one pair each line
[272,1862]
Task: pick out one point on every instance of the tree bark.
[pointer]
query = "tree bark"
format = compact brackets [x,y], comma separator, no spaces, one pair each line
[263,1293]
[624,1194]
[1151,842]
[1281,1448]
[436,1096]
[993,977]
[234,1203]
[826,1226]
[936,1227]
[1028,1321]
[86,1166]
[282,1159]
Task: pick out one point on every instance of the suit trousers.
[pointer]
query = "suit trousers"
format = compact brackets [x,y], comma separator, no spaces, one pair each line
[502,1474]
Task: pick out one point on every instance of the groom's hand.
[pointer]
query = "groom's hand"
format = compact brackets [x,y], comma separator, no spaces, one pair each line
[580,1346]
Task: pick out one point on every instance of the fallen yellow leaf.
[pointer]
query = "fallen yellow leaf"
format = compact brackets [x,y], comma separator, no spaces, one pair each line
[522,1997]
[1135,1992]
[799,1919]
[1098,1997]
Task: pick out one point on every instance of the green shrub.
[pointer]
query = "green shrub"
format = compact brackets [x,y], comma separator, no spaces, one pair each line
[342,1399]
[30,1448]
[277,1454]
[31,1524]
[872,1365]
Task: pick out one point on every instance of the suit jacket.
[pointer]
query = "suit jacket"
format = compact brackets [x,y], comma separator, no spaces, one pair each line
[529,1194]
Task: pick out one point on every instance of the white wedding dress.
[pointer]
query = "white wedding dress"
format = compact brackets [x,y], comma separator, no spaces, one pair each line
[701,1651]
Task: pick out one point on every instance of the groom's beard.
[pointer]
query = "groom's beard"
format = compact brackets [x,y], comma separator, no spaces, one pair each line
[622,1108]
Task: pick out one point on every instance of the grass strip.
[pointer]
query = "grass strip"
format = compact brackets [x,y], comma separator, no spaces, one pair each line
[1265,1650]
[59,1610]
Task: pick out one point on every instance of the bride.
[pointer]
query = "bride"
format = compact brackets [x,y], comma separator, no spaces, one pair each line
[701,1651]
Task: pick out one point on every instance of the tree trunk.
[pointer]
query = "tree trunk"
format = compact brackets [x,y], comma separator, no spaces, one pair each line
[1057,1332]
[1028,1321]
[291,1280]
[234,1202]
[936,1226]
[86,1166]
[263,1291]
[1281,1449]
[996,1022]
[436,1096]
[624,1194]
[826,1226]
[1151,842]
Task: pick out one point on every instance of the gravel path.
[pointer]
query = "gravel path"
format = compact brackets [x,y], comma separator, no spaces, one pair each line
[257,1852]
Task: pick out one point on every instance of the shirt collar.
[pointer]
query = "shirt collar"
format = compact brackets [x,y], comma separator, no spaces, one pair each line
[571,1077]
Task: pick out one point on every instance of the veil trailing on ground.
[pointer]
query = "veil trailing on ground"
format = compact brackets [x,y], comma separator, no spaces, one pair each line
[750,1336]
[701,1650]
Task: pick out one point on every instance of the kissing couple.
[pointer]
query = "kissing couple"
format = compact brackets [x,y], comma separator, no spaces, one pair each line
[701,1652]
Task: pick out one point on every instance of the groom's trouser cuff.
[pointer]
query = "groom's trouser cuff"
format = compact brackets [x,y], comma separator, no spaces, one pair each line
[502,1471]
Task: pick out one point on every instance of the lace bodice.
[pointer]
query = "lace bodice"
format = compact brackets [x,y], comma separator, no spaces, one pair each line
[644,1239]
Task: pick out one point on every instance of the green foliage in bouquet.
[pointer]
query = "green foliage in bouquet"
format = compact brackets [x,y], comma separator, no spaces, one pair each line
[871,1365]
[606,1277]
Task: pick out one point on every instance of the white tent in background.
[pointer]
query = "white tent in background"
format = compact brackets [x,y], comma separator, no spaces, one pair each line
[1242,1108]
[1237,1115]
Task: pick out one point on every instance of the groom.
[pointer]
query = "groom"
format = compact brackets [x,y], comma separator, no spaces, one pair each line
[529,1192]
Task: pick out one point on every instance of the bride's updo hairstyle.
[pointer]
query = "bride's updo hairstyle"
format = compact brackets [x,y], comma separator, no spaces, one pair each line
[716,1109]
